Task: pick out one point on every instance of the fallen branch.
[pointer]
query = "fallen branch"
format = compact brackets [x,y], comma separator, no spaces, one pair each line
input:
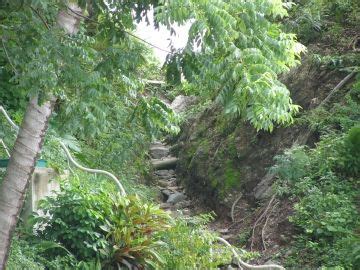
[117,182]
[338,87]
[11,122]
[233,207]
[245,265]
[258,220]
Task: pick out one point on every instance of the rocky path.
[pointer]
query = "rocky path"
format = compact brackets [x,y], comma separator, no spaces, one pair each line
[173,194]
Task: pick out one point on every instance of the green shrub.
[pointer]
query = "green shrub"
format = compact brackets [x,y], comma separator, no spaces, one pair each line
[94,223]
[99,227]
[23,256]
[351,152]
[324,215]
[324,182]
[189,245]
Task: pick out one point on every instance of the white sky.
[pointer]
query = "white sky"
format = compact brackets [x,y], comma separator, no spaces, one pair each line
[161,37]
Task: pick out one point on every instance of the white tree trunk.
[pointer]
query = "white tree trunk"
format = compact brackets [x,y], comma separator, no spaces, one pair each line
[21,166]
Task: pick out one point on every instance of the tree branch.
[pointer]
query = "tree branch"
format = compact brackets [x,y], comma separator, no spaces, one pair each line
[338,87]
[246,265]
[5,147]
[13,125]
[117,182]
[41,18]
[8,57]
[129,33]
[233,207]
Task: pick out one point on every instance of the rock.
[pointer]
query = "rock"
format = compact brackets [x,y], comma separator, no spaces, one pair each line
[165,205]
[263,189]
[163,183]
[167,193]
[171,182]
[174,188]
[158,152]
[182,204]
[162,172]
[228,236]
[223,231]
[176,197]
[181,103]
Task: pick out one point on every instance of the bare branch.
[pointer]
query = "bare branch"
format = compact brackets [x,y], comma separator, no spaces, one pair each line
[8,57]
[129,33]
[117,182]
[11,122]
[258,220]
[246,265]
[41,18]
[5,147]
[233,207]
[338,87]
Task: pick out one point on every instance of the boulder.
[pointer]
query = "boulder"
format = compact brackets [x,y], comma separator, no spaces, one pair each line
[159,152]
[176,197]
[167,192]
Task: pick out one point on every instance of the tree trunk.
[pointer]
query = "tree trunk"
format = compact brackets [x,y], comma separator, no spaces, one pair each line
[21,166]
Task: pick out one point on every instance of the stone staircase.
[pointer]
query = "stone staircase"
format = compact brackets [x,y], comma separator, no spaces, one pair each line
[173,194]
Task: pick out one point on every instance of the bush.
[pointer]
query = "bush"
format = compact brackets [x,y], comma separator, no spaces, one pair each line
[23,256]
[93,223]
[324,182]
[189,245]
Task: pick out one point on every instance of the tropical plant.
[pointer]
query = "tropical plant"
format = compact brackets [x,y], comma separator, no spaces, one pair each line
[94,223]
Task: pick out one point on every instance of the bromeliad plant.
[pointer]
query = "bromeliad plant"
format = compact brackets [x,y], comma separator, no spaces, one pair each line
[132,230]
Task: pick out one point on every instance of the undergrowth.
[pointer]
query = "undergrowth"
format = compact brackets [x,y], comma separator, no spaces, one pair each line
[324,183]
[88,226]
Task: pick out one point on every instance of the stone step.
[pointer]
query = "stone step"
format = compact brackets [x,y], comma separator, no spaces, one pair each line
[159,152]
[167,163]
[164,173]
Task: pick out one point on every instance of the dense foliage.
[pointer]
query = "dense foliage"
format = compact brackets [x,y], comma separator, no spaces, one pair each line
[107,114]
[324,183]
[240,51]
[92,223]
[86,224]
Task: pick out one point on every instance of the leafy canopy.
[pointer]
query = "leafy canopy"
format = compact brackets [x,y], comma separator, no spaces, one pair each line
[235,51]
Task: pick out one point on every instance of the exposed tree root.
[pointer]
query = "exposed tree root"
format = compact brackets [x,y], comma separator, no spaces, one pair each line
[233,207]
[258,220]
[342,83]
[264,227]
[117,182]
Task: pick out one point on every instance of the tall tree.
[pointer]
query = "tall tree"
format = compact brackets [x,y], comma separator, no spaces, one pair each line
[21,166]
